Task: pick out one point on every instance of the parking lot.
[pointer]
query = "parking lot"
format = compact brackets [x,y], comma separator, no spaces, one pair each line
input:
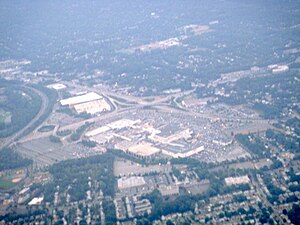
[44,153]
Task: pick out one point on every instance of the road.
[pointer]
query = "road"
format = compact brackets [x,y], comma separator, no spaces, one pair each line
[161,103]
[263,196]
[45,101]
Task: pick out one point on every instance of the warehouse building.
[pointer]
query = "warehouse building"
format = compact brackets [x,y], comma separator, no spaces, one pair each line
[143,150]
[91,103]
[130,182]
[93,107]
[91,96]
[237,180]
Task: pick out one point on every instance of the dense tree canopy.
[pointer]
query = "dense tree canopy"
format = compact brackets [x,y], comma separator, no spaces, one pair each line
[10,159]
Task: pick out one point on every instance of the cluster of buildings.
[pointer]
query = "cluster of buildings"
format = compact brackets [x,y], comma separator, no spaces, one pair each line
[25,196]
[131,207]
[138,181]
[143,140]
[138,185]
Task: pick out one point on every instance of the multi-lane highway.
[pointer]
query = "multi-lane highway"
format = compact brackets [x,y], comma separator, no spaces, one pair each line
[45,101]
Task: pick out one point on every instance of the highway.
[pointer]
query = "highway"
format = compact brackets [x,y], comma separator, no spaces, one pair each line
[161,103]
[45,101]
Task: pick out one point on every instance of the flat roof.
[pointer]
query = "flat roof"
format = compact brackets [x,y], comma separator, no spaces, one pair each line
[118,124]
[92,107]
[36,201]
[57,86]
[91,96]
[143,149]
[122,123]
[130,182]
[97,131]
[237,180]
[169,190]
[183,154]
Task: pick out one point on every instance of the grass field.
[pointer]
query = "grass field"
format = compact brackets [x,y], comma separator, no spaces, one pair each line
[5,184]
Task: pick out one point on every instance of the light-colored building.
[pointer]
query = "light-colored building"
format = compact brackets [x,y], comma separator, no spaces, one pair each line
[93,107]
[143,150]
[36,201]
[91,103]
[183,154]
[170,190]
[120,208]
[102,139]
[130,182]
[237,180]
[24,191]
[97,131]
[185,134]
[119,124]
[280,69]
[91,96]
[56,86]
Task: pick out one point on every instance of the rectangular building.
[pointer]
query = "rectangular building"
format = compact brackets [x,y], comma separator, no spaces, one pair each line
[91,96]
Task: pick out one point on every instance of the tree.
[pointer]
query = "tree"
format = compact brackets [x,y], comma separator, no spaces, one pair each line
[143,221]
[10,159]
[169,222]
[109,211]
[294,214]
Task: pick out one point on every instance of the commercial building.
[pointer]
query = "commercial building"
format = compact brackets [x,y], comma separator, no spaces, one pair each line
[56,86]
[130,182]
[91,103]
[119,124]
[237,180]
[123,123]
[183,154]
[168,191]
[97,131]
[36,201]
[278,68]
[143,150]
[93,107]
[91,96]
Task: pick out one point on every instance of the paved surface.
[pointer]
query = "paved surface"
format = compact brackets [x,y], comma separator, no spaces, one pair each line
[45,102]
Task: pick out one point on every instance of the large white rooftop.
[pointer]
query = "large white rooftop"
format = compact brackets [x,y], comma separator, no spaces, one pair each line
[57,86]
[183,154]
[92,107]
[143,149]
[91,96]
[36,201]
[119,124]
[237,180]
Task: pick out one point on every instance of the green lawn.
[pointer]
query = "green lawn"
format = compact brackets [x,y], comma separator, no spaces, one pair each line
[5,184]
